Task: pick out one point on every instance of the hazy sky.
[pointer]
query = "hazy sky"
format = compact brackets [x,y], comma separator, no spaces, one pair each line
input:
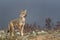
[38,10]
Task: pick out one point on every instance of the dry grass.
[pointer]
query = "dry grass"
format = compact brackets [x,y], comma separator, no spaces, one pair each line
[52,36]
[41,36]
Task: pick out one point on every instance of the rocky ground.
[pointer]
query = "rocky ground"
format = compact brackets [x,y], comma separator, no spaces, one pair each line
[40,35]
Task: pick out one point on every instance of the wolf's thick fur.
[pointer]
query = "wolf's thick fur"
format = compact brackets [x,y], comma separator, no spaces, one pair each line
[19,23]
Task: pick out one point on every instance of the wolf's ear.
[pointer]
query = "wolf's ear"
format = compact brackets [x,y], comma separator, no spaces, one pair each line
[25,10]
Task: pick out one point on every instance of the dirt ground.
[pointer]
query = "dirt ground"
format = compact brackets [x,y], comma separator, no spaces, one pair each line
[33,36]
[47,37]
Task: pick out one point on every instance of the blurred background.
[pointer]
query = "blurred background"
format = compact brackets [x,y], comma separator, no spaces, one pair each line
[37,11]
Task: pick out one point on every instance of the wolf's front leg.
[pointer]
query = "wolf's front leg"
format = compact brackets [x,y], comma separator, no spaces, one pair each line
[22,30]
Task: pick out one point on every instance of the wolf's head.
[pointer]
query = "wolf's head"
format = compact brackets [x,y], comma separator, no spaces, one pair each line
[23,13]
